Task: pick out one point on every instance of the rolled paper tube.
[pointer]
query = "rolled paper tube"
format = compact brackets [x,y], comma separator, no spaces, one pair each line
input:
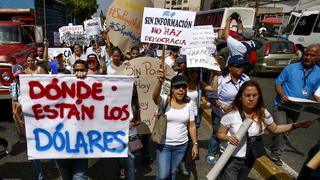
[314,163]
[215,171]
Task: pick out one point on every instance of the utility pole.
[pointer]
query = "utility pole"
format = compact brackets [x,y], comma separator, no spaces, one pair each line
[257,9]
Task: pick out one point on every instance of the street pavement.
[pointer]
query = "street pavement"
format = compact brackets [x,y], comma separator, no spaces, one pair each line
[16,165]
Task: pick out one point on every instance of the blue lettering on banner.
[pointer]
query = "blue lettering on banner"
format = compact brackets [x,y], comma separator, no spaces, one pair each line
[96,141]
[121,28]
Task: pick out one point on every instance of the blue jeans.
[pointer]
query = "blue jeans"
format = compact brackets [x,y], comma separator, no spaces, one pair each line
[213,147]
[168,159]
[75,169]
[130,164]
[235,169]
[37,167]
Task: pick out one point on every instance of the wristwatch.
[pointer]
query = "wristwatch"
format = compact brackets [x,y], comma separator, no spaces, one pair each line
[195,143]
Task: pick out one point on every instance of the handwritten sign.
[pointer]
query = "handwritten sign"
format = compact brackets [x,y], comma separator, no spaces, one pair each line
[53,52]
[200,57]
[145,71]
[92,26]
[202,36]
[68,117]
[124,18]
[165,26]
[70,35]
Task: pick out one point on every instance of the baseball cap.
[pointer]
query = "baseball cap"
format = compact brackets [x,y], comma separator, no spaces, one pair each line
[247,33]
[181,59]
[92,57]
[150,53]
[60,55]
[179,79]
[236,60]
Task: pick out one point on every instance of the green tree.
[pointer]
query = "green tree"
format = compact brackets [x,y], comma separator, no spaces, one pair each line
[80,10]
[221,4]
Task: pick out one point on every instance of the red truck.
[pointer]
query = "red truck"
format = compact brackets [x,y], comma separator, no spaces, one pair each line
[17,40]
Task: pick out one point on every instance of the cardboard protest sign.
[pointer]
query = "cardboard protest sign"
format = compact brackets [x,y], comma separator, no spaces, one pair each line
[145,71]
[124,18]
[200,57]
[302,105]
[67,117]
[92,26]
[202,36]
[165,26]
[71,35]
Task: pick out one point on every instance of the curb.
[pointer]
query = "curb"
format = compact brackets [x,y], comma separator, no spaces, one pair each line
[263,165]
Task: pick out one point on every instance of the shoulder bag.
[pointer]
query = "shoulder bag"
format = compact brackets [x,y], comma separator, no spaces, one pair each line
[160,125]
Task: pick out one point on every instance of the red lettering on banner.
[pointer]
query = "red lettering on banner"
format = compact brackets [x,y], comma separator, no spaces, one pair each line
[37,111]
[116,113]
[54,91]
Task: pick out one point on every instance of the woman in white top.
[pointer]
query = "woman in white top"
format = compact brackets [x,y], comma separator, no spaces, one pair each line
[180,119]
[248,103]
[117,59]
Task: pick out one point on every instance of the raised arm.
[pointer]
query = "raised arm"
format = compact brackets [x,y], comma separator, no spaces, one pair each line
[157,89]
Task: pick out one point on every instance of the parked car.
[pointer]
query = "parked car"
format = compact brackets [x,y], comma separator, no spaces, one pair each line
[273,55]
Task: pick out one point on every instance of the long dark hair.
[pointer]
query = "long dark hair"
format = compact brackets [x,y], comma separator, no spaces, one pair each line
[259,107]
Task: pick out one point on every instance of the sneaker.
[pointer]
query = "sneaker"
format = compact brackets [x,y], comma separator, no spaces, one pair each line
[122,174]
[276,159]
[211,159]
[182,169]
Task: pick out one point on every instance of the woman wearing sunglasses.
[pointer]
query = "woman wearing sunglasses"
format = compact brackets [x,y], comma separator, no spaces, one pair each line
[180,120]
[248,104]
[228,86]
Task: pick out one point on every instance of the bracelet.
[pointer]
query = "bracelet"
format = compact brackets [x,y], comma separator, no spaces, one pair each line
[294,126]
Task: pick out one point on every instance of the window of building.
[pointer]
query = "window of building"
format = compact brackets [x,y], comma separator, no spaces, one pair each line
[179,2]
[185,1]
[185,8]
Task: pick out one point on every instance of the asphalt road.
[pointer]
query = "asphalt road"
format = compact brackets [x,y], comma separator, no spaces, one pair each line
[16,165]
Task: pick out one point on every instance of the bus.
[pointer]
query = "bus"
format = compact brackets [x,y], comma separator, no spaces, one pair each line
[217,18]
[307,29]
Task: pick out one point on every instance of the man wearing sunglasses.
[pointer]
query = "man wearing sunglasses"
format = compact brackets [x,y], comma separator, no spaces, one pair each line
[299,80]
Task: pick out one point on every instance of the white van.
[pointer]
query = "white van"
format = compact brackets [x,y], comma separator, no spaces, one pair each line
[307,29]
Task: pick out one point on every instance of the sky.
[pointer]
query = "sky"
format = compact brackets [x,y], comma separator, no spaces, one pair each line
[103,4]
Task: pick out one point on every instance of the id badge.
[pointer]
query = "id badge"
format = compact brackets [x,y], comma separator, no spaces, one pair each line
[304,92]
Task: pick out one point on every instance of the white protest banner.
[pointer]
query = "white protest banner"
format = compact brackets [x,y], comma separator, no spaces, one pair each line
[165,26]
[78,29]
[145,71]
[92,26]
[200,57]
[124,17]
[202,36]
[53,52]
[68,117]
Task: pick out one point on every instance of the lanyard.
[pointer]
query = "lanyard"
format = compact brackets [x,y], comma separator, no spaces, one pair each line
[306,74]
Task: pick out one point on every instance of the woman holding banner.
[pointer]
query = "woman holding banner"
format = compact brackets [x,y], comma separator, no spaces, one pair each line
[248,104]
[180,119]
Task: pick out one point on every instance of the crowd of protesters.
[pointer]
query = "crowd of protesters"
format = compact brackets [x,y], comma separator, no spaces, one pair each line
[232,95]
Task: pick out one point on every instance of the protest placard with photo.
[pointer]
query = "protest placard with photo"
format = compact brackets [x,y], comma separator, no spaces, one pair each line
[145,71]
[201,57]
[67,117]
[70,35]
[166,26]
[124,17]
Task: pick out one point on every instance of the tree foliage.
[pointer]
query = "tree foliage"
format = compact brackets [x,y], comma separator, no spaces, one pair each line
[221,4]
[81,10]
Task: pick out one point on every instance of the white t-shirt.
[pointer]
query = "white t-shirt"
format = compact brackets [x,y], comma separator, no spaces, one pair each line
[193,95]
[177,122]
[236,47]
[169,61]
[233,121]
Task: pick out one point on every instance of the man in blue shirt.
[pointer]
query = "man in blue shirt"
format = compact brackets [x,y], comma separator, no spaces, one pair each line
[299,80]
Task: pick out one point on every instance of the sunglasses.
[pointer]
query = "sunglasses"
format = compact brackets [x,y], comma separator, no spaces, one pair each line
[237,65]
[79,70]
[178,86]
